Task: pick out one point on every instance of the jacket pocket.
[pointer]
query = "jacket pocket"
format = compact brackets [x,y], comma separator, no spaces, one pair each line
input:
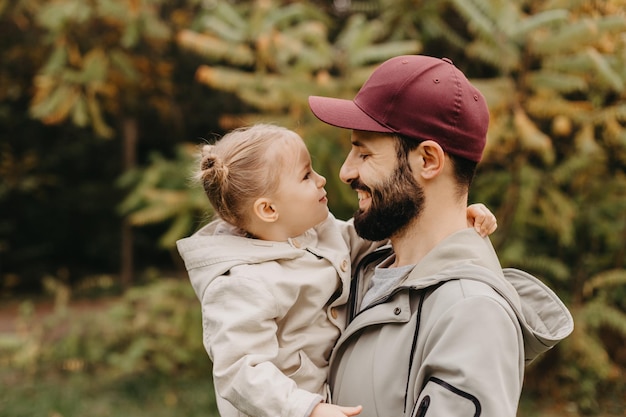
[421,410]
[439,398]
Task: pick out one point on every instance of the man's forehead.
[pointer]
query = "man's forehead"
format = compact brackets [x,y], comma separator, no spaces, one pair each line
[362,138]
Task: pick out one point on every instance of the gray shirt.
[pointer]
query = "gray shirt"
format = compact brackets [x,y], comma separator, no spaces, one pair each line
[384,280]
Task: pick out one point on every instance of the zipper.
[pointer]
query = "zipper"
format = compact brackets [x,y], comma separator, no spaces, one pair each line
[379,254]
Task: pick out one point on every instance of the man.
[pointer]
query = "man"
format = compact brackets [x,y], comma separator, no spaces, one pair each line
[435,326]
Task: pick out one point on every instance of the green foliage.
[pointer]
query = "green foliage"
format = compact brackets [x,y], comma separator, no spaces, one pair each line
[280,58]
[554,167]
[133,355]
[600,320]
[556,107]
[87,77]
[71,75]
[153,328]
[76,394]
[266,55]
[554,171]
[163,191]
[260,35]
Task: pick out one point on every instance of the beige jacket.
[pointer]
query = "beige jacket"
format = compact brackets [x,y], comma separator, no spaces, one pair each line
[269,312]
[451,340]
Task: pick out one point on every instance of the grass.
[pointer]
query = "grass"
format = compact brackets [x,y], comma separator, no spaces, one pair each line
[82,395]
[146,336]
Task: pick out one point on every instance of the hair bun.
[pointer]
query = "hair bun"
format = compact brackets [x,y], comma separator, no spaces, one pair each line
[212,162]
[208,157]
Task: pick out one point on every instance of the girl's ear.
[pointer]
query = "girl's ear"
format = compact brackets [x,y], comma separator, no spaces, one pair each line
[265,210]
[432,159]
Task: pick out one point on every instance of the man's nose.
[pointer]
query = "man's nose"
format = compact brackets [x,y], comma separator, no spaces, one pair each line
[348,171]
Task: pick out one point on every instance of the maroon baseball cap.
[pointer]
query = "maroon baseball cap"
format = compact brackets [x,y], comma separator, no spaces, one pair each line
[418,97]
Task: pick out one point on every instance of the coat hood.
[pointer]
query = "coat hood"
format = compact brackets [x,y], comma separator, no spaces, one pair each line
[218,247]
[543,317]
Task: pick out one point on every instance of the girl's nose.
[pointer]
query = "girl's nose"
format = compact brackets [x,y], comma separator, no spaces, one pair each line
[321,180]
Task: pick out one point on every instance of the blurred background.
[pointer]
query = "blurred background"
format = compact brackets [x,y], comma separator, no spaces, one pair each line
[103,104]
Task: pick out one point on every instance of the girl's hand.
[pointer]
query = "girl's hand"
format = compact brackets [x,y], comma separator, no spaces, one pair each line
[481,219]
[331,410]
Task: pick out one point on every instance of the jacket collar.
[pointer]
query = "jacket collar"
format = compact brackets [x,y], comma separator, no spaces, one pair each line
[463,248]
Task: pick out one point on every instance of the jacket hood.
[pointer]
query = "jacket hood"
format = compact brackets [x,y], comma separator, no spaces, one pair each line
[218,247]
[543,317]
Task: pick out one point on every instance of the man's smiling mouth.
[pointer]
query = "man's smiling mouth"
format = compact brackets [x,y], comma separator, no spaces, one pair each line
[364,198]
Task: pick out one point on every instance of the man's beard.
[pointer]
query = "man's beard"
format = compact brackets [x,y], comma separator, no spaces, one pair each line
[394,204]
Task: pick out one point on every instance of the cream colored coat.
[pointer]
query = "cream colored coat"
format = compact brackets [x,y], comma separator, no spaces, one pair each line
[451,340]
[270,313]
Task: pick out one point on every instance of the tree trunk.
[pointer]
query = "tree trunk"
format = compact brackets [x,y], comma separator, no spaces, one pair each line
[129,151]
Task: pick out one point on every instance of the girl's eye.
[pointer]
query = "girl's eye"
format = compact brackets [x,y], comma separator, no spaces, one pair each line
[307,175]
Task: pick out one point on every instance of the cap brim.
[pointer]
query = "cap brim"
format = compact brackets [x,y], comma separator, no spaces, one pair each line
[343,113]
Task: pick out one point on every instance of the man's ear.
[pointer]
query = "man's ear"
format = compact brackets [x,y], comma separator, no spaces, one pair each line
[265,210]
[432,159]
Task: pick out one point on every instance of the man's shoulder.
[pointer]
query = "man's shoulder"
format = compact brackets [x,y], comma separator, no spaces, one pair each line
[462,288]
[461,294]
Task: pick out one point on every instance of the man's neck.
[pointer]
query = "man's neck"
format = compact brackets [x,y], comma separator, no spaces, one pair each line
[426,231]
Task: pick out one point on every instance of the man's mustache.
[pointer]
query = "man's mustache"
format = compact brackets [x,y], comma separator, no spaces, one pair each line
[356,184]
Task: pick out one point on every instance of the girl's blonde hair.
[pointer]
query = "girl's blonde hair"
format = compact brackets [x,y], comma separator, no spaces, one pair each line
[242,166]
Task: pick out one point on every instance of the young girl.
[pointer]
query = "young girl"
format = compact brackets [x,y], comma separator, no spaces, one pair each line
[272,273]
